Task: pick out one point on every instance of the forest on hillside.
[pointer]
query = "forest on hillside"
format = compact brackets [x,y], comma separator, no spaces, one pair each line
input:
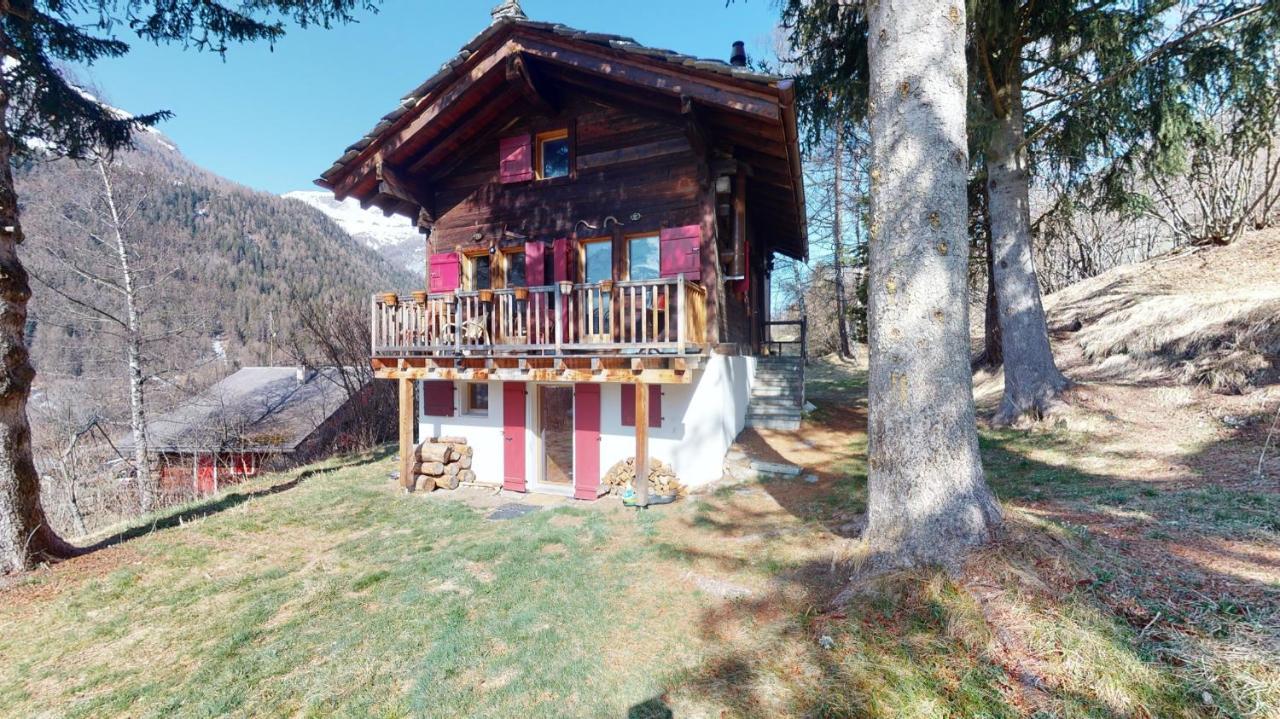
[220,274]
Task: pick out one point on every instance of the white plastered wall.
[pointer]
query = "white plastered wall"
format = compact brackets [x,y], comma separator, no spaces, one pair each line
[700,421]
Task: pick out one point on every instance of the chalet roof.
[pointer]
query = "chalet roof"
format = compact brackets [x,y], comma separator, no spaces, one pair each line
[769,106]
[257,409]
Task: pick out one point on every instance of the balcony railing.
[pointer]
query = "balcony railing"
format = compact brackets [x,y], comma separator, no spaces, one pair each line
[663,315]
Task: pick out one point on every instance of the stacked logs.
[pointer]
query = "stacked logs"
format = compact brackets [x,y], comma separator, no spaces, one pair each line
[442,462]
[662,479]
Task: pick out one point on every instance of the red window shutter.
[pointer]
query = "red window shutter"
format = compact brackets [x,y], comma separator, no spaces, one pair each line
[535,264]
[563,259]
[515,158]
[629,406]
[445,272]
[586,441]
[513,421]
[680,251]
[437,398]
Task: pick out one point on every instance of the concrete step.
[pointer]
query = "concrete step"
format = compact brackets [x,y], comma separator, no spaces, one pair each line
[790,411]
[779,423]
[793,402]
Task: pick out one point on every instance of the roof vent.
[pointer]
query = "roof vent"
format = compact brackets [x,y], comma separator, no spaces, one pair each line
[739,56]
[508,10]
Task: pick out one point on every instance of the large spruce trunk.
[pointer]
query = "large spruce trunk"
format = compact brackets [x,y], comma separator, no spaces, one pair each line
[928,498]
[1032,381]
[25,534]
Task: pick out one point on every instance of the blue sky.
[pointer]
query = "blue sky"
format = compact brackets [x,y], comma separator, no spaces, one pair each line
[274,120]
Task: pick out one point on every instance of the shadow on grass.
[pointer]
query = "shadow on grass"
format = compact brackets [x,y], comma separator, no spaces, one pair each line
[231,499]
[1138,629]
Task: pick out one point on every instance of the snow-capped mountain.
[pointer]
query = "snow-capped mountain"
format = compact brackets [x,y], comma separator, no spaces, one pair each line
[394,237]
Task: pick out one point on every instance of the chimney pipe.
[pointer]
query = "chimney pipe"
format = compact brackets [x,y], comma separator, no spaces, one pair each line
[739,56]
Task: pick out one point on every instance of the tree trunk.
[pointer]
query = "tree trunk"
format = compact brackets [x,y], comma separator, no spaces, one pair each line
[1032,381]
[837,255]
[928,498]
[147,490]
[992,348]
[25,534]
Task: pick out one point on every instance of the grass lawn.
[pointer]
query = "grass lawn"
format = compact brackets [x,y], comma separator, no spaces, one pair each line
[340,596]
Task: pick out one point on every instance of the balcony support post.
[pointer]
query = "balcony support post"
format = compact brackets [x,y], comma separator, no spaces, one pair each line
[642,444]
[682,315]
[406,432]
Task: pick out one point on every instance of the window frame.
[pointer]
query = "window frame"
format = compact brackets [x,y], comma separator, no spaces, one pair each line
[539,139]
[510,255]
[657,241]
[469,259]
[469,407]
[582,256]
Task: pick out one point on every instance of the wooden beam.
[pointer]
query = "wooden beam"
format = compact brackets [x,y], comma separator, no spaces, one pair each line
[423,114]
[737,266]
[665,80]
[642,444]
[406,433]
[530,85]
[394,182]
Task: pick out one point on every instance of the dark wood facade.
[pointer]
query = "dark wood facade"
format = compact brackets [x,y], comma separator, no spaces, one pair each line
[657,141]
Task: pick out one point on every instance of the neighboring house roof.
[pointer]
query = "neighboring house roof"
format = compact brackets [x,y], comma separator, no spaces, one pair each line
[753,111]
[257,409]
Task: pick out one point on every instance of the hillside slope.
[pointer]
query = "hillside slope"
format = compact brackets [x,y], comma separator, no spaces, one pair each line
[226,260]
[1206,316]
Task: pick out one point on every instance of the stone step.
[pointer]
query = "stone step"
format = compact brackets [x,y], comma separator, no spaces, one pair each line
[775,403]
[776,388]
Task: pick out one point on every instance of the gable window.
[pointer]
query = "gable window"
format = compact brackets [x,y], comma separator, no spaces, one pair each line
[642,258]
[553,154]
[475,401]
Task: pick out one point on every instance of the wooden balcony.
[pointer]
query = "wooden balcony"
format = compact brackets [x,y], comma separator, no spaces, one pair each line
[665,316]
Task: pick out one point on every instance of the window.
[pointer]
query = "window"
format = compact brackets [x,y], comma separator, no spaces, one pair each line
[642,253]
[516,276]
[597,261]
[479,272]
[553,154]
[475,400]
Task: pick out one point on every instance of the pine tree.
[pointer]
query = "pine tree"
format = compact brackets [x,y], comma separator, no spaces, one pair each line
[40,110]
[1062,86]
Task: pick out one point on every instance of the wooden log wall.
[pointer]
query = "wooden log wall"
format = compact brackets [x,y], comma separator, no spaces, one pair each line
[625,165]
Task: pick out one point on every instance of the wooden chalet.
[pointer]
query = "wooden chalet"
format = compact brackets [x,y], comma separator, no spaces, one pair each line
[601,220]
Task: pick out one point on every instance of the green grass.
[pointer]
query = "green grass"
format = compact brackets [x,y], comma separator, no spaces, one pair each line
[341,597]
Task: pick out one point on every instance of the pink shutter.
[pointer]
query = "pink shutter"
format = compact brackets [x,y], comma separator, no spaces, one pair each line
[586,441]
[629,405]
[437,398]
[515,159]
[679,251]
[535,264]
[445,272]
[562,250]
[513,412]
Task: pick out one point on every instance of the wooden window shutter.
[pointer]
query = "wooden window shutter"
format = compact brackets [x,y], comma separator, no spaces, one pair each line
[564,259]
[445,270]
[515,158]
[535,264]
[629,405]
[437,398]
[680,251]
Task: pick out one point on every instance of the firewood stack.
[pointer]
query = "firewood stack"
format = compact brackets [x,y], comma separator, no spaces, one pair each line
[442,462]
[662,479]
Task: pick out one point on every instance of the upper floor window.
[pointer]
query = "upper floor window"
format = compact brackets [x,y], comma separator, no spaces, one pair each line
[553,154]
[515,269]
[642,258]
[477,272]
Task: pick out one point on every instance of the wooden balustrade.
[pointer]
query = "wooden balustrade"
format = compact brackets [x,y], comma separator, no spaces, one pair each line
[664,315]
